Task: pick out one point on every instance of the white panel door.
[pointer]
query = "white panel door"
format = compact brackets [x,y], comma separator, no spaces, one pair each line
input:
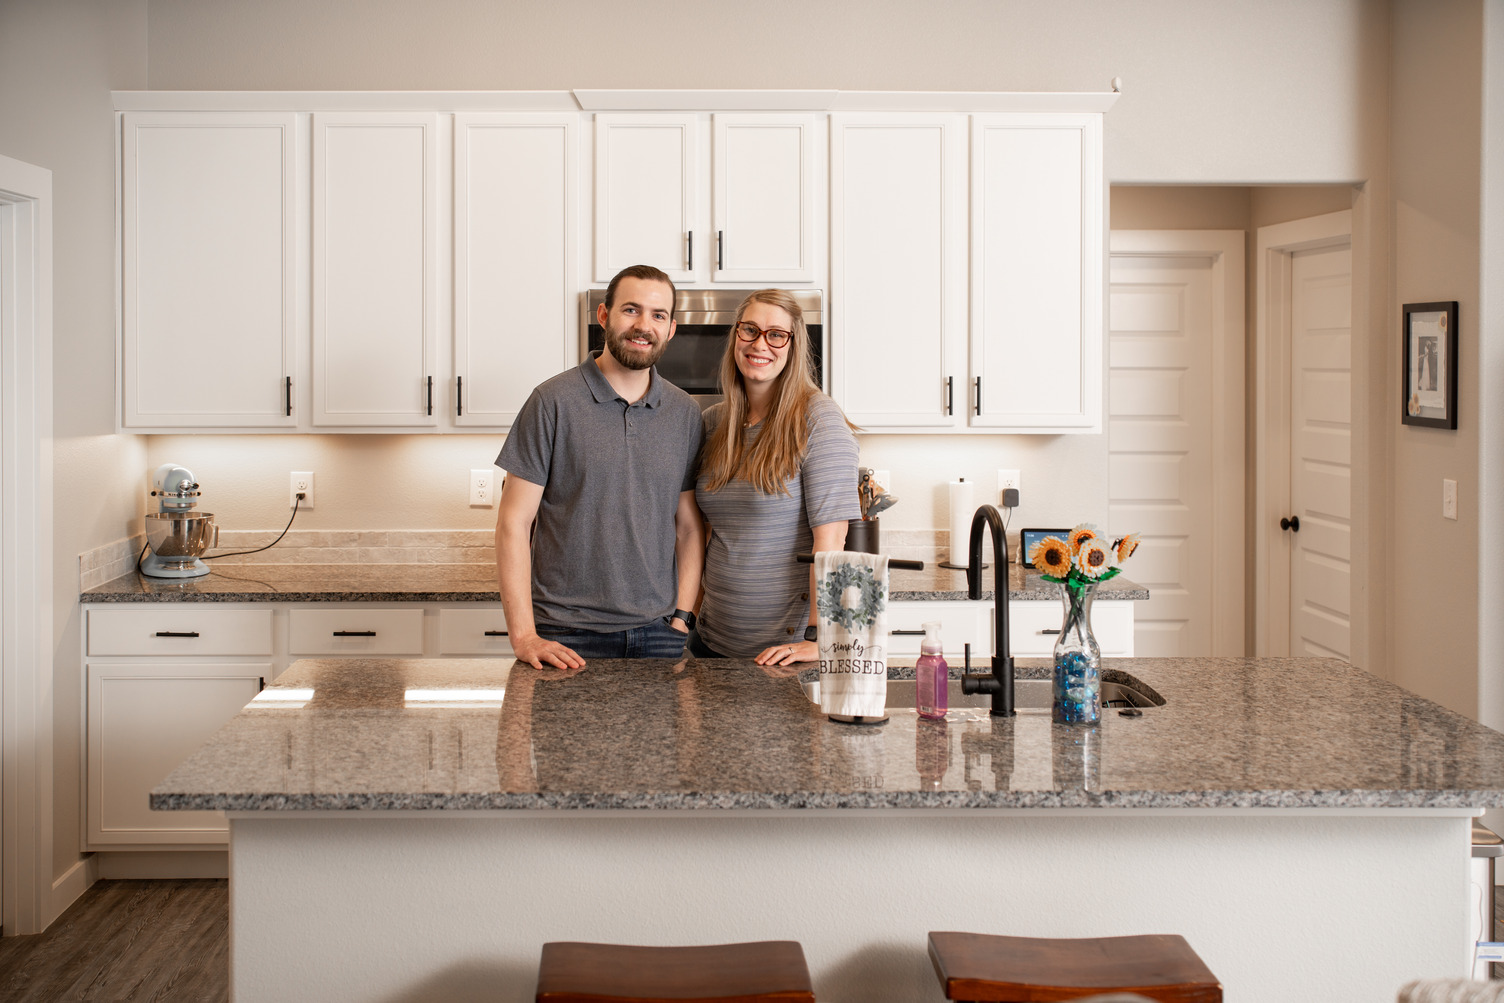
[898,270]
[764,190]
[1321,452]
[514,309]
[144,721]
[375,284]
[645,192]
[1036,272]
[208,303]
[1159,403]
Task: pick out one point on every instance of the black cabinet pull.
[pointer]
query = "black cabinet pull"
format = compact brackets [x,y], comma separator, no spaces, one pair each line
[260,683]
[430,395]
[1292,523]
[496,633]
[950,395]
[720,250]
[691,250]
[354,633]
[459,396]
[289,396]
[979,395]
[1050,630]
[907,633]
[177,633]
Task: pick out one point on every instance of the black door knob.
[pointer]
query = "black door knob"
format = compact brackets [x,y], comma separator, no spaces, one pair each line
[1292,523]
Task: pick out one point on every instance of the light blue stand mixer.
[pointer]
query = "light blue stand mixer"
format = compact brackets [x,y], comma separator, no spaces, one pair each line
[176,534]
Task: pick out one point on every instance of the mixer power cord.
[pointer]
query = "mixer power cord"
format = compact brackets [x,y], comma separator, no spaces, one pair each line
[237,553]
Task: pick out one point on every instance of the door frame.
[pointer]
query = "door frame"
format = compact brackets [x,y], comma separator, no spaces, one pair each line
[1224,249]
[1277,244]
[26,892]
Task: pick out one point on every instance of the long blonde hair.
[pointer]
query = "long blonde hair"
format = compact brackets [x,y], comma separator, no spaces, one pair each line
[774,459]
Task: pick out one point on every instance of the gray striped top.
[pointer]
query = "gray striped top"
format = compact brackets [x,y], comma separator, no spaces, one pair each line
[755,594]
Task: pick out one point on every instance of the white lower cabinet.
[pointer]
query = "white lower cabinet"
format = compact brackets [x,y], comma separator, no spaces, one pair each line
[355,630]
[1033,626]
[146,718]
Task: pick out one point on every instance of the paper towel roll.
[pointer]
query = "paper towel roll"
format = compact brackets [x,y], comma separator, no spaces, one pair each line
[961,511]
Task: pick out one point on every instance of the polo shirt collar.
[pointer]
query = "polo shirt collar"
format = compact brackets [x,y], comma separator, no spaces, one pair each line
[602,390]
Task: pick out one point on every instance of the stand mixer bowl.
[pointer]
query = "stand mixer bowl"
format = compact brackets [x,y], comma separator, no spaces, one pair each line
[176,540]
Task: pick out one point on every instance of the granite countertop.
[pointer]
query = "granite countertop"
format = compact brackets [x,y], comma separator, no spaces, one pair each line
[469,734]
[477,583]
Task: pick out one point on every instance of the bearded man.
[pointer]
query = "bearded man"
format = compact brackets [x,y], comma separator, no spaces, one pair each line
[602,457]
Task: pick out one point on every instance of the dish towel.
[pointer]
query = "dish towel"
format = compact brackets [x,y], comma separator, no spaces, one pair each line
[851,598]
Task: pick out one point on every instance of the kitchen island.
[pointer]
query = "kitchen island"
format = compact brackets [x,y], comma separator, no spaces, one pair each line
[405,829]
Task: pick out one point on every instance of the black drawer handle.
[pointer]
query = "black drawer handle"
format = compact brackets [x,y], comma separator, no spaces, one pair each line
[1050,630]
[907,633]
[177,633]
[354,633]
[496,633]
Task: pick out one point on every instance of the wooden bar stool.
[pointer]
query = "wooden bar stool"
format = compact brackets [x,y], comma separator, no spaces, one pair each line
[761,972]
[986,969]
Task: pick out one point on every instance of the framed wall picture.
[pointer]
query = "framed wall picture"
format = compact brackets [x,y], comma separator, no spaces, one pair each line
[1430,369]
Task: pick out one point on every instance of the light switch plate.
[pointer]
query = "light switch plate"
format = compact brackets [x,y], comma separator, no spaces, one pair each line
[1448,499]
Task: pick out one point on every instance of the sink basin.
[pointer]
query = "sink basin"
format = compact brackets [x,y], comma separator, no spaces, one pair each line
[1028,694]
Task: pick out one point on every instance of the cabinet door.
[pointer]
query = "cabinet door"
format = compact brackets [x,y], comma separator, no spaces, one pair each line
[763,185]
[1036,272]
[208,298]
[645,196]
[145,719]
[898,269]
[514,309]
[374,275]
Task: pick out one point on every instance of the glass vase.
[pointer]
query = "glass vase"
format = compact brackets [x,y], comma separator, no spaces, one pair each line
[1077,690]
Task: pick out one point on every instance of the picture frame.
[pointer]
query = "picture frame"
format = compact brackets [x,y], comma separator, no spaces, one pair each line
[1028,537]
[1430,365]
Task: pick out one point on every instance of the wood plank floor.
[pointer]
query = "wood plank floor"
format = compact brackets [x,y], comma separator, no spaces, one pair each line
[152,940]
[127,940]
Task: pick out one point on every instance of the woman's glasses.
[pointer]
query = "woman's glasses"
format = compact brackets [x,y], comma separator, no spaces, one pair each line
[750,332]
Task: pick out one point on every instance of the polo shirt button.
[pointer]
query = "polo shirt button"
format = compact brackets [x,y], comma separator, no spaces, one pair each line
[791,630]
[804,595]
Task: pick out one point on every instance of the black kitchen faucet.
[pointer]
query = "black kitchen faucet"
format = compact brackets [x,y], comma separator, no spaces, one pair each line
[1000,682]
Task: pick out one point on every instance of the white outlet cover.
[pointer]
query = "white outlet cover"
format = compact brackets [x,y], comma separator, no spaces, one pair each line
[482,488]
[1009,479]
[301,480]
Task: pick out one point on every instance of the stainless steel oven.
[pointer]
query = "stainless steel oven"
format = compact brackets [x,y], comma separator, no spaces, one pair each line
[704,317]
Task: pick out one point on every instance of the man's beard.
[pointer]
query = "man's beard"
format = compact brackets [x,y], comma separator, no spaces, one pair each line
[630,356]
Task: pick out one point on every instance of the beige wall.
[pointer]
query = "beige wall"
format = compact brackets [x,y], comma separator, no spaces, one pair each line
[1435,162]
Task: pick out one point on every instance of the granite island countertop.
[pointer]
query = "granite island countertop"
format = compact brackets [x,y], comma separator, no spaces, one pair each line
[458,735]
[477,583]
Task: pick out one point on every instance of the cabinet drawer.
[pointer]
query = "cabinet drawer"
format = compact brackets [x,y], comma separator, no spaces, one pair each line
[179,631]
[1034,625]
[961,623]
[355,630]
[474,632]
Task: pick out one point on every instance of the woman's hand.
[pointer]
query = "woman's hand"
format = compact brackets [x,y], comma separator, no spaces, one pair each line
[787,654]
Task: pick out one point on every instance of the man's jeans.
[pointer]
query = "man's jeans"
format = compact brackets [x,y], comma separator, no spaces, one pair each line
[652,640]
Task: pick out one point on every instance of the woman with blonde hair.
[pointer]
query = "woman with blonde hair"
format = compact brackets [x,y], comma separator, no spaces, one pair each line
[778,477]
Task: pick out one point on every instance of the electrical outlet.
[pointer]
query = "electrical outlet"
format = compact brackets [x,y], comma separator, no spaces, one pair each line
[1008,479]
[482,486]
[1448,499]
[302,481]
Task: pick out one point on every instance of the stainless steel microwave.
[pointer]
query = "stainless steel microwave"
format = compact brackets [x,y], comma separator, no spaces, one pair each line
[704,316]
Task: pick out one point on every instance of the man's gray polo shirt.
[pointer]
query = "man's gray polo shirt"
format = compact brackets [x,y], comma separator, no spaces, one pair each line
[603,547]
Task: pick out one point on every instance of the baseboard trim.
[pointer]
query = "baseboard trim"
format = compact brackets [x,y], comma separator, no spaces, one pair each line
[139,864]
[67,889]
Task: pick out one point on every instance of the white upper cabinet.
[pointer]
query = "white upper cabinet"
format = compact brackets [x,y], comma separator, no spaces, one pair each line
[764,186]
[1036,272]
[375,278]
[514,299]
[898,269]
[645,195]
[652,172]
[208,300]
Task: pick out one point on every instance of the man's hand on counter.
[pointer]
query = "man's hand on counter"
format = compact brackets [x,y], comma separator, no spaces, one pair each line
[536,652]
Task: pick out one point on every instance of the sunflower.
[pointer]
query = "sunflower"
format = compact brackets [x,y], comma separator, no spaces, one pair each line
[1079,535]
[1094,559]
[1126,546]
[1051,556]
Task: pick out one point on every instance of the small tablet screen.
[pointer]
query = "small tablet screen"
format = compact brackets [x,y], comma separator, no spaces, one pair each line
[1029,537]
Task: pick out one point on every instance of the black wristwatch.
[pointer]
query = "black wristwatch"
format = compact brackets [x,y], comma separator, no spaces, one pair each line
[685,615]
[812,633]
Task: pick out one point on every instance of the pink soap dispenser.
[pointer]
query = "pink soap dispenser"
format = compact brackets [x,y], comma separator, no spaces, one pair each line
[930,675]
